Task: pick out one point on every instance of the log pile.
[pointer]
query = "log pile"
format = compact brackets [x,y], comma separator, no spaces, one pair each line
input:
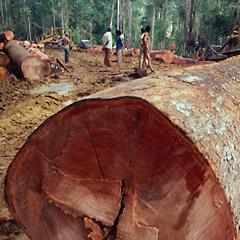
[155,158]
[29,60]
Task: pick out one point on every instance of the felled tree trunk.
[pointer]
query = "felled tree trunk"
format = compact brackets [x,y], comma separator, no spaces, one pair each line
[165,55]
[184,61]
[6,36]
[155,158]
[31,67]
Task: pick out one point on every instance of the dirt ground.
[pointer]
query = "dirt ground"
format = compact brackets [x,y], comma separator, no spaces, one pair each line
[24,105]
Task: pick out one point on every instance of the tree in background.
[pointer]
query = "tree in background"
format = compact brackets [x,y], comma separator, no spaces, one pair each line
[185,21]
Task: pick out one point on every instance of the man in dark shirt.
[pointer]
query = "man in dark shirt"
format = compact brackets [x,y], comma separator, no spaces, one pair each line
[119,46]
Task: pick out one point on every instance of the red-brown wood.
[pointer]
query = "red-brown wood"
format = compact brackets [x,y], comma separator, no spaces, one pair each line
[165,55]
[1,46]
[4,60]
[31,67]
[3,73]
[6,36]
[115,169]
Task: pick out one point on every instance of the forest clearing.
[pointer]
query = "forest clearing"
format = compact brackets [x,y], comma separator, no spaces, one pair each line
[119,120]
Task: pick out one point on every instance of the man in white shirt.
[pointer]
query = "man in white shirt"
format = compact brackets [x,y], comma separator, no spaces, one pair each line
[107,46]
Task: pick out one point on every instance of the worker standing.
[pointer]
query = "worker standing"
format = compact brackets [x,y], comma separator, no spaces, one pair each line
[66,43]
[141,56]
[107,46]
[146,42]
[119,47]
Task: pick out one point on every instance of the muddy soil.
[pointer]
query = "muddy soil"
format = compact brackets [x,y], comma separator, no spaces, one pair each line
[24,105]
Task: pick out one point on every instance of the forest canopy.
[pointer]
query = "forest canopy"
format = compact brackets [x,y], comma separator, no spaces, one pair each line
[184,21]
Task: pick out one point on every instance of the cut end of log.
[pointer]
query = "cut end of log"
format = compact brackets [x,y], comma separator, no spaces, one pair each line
[9,35]
[6,36]
[115,169]
[34,68]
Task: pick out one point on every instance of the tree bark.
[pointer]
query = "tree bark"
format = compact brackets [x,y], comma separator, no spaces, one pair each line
[153,25]
[2,13]
[53,12]
[191,20]
[155,158]
[31,67]
[112,15]
[29,29]
[118,14]
[130,19]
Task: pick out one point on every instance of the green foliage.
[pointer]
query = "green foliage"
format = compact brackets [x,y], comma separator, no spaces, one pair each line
[206,21]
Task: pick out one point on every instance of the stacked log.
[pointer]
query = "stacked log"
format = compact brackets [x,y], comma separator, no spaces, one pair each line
[6,36]
[31,67]
[155,158]
[31,63]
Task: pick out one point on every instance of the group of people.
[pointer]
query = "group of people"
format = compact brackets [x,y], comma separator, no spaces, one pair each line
[107,46]
[145,42]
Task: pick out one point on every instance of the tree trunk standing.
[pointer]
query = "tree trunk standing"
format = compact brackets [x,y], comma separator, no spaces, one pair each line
[90,31]
[118,14]
[153,25]
[66,13]
[112,15]
[163,16]
[29,29]
[9,13]
[2,14]
[185,25]
[6,16]
[43,25]
[129,22]
[53,13]
[191,21]
[62,19]
[121,18]
[238,13]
